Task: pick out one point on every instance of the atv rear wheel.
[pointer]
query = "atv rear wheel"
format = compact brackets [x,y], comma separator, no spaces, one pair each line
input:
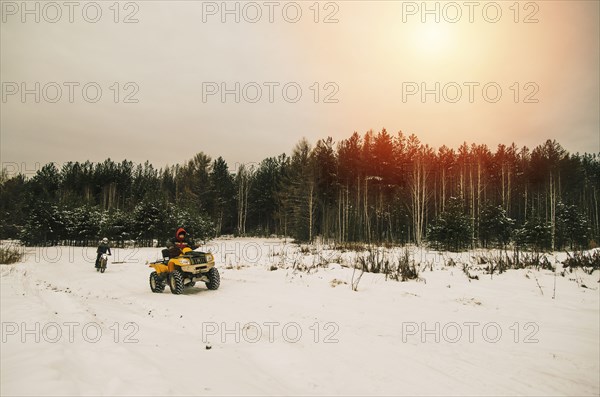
[176,282]
[214,279]
[157,284]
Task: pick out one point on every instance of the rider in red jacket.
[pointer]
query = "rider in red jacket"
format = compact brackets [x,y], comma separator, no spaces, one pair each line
[181,241]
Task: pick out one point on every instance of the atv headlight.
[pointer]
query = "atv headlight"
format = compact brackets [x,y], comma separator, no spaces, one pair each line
[210,258]
[185,262]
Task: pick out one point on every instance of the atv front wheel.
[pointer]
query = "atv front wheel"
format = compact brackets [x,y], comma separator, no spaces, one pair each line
[176,282]
[214,280]
[157,284]
[102,265]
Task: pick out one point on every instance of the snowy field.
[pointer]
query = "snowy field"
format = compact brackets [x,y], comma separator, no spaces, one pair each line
[285,321]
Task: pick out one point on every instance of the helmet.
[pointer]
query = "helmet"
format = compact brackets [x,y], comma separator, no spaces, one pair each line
[179,232]
[105,240]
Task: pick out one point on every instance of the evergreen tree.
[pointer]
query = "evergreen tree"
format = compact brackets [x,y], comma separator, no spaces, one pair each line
[149,222]
[82,225]
[301,186]
[118,226]
[452,229]
[535,234]
[263,194]
[12,204]
[572,227]
[44,224]
[495,226]
[222,198]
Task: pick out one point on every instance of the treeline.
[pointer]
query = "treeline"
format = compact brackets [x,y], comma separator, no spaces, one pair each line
[375,188]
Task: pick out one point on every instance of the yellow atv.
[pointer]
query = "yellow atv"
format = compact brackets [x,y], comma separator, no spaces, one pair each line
[183,271]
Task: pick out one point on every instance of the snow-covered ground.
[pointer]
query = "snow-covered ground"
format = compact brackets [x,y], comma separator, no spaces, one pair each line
[68,330]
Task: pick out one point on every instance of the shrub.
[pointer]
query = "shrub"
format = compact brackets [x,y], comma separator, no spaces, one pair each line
[10,254]
[501,263]
[375,261]
[407,268]
[467,271]
[584,260]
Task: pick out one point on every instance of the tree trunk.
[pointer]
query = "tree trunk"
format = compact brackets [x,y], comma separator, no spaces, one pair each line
[443,189]
[553,210]
[471,187]
[311,188]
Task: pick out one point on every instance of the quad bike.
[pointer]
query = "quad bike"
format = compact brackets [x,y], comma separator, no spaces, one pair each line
[102,262]
[184,270]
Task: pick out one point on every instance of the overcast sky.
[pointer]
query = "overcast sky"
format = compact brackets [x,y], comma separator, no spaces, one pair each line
[500,79]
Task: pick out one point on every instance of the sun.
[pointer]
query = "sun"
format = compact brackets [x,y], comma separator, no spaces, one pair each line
[431,39]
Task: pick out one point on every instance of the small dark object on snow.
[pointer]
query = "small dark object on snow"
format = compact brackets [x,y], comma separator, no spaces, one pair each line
[208,347]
